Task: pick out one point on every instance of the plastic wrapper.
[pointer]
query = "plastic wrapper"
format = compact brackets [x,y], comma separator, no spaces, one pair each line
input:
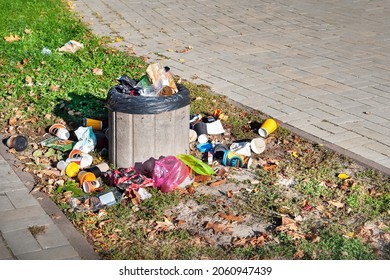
[198,166]
[169,172]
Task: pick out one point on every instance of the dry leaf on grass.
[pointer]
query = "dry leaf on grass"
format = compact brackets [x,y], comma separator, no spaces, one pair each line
[164,226]
[338,204]
[217,183]
[12,38]
[97,71]
[218,227]
[134,197]
[230,217]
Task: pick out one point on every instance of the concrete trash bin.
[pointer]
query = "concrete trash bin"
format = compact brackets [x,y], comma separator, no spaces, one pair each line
[141,127]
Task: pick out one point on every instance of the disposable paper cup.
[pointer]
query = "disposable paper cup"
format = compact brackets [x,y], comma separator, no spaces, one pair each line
[98,169]
[75,153]
[201,131]
[203,139]
[97,125]
[72,169]
[258,145]
[82,159]
[90,186]
[61,165]
[60,131]
[267,127]
[241,148]
[18,142]
[85,176]
[193,135]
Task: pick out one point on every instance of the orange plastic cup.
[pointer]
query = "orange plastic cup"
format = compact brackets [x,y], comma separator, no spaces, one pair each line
[97,125]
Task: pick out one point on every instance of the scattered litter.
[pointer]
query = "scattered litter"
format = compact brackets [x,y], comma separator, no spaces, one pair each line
[60,131]
[241,148]
[86,139]
[71,47]
[18,142]
[144,194]
[46,51]
[287,182]
[57,143]
[215,128]
[269,126]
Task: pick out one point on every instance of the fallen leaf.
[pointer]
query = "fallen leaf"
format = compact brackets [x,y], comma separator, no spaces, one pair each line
[218,227]
[217,183]
[231,217]
[336,203]
[12,38]
[28,31]
[230,194]
[258,240]
[29,81]
[97,71]
[51,172]
[12,121]
[202,178]
[179,223]
[299,254]
[54,88]
[239,242]
[164,226]
[269,166]
[346,184]
[288,224]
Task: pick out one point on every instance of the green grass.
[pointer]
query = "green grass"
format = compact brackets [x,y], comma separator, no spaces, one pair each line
[38,89]
[47,24]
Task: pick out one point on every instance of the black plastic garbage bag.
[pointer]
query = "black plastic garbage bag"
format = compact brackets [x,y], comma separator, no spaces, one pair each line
[118,100]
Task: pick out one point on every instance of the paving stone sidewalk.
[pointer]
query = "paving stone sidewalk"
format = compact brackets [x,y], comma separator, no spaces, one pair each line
[319,67]
[31,226]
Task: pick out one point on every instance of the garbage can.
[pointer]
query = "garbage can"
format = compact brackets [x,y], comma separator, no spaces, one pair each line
[141,127]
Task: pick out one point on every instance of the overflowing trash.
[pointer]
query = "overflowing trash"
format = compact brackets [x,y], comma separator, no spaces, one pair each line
[100,185]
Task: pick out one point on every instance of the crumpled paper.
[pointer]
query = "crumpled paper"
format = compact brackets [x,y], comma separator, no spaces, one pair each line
[71,47]
[86,139]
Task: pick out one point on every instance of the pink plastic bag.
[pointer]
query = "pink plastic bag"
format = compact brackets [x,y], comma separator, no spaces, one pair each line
[168,173]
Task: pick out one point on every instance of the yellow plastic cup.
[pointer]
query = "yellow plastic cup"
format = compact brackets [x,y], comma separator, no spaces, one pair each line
[269,126]
[72,169]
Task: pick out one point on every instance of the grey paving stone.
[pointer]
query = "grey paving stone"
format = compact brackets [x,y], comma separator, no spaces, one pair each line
[52,237]
[22,218]
[21,198]
[5,203]
[5,253]
[21,242]
[57,253]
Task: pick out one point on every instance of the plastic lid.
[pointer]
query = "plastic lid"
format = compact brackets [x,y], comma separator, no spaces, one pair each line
[20,143]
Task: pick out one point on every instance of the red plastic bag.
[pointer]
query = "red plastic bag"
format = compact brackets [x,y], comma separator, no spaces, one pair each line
[168,173]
